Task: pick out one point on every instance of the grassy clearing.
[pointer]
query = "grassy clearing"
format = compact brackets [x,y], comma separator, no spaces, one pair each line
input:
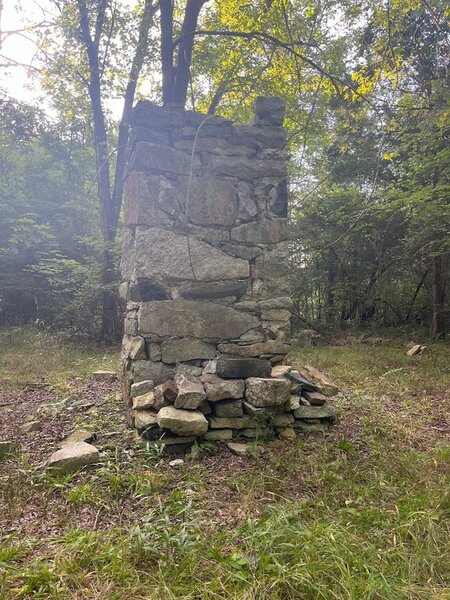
[28,355]
[361,512]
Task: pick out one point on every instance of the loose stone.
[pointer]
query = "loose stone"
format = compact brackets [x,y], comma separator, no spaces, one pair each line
[217,388]
[182,422]
[297,379]
[31,427]
[315,398]
[144,419]
[73,457]
[229,408]
[262,392]
[145,401]
[190,391]
[79,435]
[104,375]
[237,448]
[316,412]
[138,389]
[321,382]
[280,371]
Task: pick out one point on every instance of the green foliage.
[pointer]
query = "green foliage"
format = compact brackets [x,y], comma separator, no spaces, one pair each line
[49,241]
[376,214]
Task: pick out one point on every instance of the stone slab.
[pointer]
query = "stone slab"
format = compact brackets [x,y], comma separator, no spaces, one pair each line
[266,231]
[182,422]
[217,388]
[73,457]
[138,389]
[191,393]
[315,398]
[262,392]
[321,381]
[215,289]
[144,401]
[316,412]
[169,256]
[189,318]
[229,408]
[183,349]
[257,349]
[151,157]
[242,368]
[211,201]
[158,372]
[226,422]
[144,419]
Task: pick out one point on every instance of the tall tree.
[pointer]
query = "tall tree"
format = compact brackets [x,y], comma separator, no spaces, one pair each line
[93,26]
[96,51]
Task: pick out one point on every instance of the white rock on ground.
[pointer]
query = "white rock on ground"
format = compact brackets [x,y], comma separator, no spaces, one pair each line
[72,457]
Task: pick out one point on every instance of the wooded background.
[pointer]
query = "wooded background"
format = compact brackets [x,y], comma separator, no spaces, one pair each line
[366,91]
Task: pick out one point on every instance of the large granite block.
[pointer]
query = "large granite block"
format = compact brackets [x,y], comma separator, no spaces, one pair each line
[160,254]
[190,318]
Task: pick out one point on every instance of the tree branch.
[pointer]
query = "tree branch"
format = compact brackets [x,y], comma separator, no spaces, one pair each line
[290,47]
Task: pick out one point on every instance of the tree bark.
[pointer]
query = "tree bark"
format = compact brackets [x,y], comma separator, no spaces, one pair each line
[176,76]
[413,300]
[184,56]
[437,329]
[167,48]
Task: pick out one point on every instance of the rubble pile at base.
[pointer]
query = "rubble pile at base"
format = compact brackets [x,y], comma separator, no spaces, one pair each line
[229,398]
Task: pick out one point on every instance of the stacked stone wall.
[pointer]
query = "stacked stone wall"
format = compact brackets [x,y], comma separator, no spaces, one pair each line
[204,268]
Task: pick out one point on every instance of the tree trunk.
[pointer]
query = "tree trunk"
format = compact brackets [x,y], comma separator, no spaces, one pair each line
[184,56]
[437,329]
[111,324]
[330,311]
[111,200]
[167,47]
[176,77]
[413,300]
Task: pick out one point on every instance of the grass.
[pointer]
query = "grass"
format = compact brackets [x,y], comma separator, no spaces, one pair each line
[361,512]
[28,355]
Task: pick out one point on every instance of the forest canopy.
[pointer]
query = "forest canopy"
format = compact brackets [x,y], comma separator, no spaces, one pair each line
[367,112]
